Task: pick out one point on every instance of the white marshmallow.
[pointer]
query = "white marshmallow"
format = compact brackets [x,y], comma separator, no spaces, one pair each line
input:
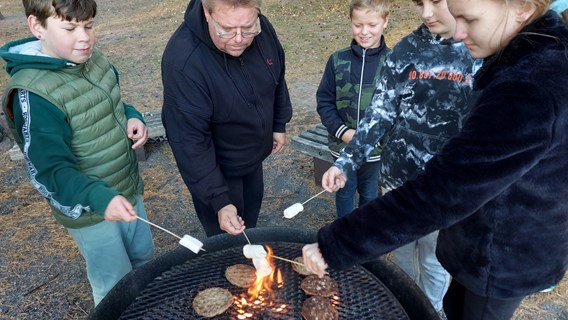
[262,266]
[254,251]
[191,243]
[293,210]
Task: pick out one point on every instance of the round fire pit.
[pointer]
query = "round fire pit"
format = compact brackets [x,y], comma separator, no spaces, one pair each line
[165,287]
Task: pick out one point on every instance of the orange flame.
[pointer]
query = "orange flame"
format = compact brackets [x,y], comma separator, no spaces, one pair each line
[260,294]
[264,283]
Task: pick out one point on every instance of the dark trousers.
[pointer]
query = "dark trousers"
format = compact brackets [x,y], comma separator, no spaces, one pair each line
[462,304]
[246,194]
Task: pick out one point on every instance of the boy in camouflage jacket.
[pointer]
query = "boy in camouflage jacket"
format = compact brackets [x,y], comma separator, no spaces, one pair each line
[345,91]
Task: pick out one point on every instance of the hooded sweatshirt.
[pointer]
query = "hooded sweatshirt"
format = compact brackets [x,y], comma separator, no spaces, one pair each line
[220,111]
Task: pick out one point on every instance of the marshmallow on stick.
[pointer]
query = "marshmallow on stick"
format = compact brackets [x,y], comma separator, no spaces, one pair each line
[293,210]
[296,208]
[187,241]
[191,243]
[254,251]
[262,266]
[258,255]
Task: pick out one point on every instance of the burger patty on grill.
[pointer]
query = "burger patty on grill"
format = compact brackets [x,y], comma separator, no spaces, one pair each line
[241,275]
[316,286]
[319,308]
[213,301]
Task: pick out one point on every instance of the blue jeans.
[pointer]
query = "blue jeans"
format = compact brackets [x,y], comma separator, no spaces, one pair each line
[365,181]
[113,249]
[418,259]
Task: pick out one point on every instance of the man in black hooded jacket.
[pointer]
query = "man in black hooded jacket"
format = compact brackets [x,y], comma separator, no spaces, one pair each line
[226,105]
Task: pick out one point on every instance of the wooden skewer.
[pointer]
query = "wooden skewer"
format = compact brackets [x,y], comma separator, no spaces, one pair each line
[246,236]
[288,260]
[277,257]
[157,226]
[303,203]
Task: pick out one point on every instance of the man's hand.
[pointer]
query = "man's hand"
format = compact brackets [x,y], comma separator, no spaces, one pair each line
[137,132]
[230,221]
[333,179]
[279,140]
[120,209]
[313,259]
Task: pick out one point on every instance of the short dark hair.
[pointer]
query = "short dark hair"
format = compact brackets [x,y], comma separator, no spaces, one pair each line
[69,10]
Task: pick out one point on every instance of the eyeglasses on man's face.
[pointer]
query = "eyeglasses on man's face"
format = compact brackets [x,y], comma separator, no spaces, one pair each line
[247,32]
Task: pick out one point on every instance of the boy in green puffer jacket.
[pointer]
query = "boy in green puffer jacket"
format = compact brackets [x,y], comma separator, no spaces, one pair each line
[64,107]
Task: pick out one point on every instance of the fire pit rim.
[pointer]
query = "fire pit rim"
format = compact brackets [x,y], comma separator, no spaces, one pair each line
[414,302]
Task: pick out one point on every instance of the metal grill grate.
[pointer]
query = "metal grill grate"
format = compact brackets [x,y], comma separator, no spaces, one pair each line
[360,296]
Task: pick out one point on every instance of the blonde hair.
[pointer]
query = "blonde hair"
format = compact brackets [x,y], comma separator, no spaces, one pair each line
[381,6]
[209,5]
[540,7]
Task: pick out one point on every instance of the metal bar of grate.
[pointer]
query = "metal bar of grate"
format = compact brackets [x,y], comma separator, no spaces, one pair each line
[361,295]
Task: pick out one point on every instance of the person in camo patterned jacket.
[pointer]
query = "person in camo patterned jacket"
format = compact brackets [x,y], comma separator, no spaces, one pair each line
[419,104]
[345,91]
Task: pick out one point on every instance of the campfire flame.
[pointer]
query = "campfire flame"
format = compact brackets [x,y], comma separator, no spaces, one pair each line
[264,283]
[260,294]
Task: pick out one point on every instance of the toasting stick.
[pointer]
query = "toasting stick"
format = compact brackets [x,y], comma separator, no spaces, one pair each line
[187,241]
[246,236]
[288,260]
[298,207]
[257,251]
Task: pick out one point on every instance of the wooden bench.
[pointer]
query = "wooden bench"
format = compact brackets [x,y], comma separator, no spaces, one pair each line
[313,142]
[155,130]
[154,123]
